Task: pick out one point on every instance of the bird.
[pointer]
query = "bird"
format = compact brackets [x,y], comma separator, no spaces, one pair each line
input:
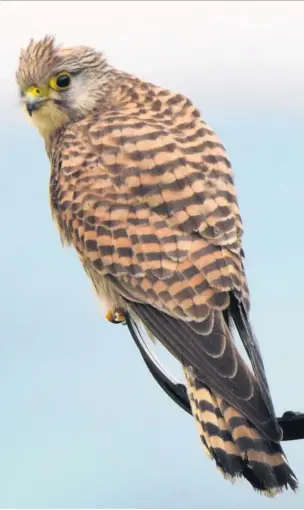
[142,188]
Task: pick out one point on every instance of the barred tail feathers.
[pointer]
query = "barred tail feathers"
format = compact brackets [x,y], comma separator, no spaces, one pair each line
[238,449]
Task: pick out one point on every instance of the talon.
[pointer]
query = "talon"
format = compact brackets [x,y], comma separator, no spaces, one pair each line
[116,317]
[110,316]
[120,315]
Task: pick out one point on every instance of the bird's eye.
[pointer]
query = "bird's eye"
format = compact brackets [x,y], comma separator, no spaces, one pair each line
[61,81]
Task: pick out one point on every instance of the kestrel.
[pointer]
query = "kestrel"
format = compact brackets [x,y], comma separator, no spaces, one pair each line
[143,189]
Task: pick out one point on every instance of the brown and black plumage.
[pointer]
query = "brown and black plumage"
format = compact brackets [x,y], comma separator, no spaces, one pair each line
[143,189]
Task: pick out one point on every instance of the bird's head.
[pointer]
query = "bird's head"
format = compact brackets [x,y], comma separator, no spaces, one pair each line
[60,85]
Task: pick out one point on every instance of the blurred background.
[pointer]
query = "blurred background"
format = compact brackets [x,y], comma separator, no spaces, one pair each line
[83,425]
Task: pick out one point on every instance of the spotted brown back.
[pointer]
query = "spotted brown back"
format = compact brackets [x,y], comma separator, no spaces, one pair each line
[145,192]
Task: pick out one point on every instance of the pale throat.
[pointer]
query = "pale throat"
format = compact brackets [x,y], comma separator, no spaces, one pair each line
[49,118]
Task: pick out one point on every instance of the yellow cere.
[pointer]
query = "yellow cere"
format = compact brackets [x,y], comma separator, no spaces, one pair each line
[37,91]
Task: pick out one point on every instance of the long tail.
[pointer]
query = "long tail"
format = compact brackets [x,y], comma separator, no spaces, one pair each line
[237,448]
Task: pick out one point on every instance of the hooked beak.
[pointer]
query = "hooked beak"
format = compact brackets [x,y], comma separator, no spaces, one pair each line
[33,105]
[34,99]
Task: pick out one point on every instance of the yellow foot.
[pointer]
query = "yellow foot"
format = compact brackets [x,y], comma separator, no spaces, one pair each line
[116,316]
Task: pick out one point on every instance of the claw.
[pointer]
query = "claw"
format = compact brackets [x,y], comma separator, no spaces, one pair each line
[116,316]
[120,316]
[110,316]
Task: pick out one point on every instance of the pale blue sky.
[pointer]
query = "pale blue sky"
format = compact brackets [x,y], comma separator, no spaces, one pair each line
[82,422]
